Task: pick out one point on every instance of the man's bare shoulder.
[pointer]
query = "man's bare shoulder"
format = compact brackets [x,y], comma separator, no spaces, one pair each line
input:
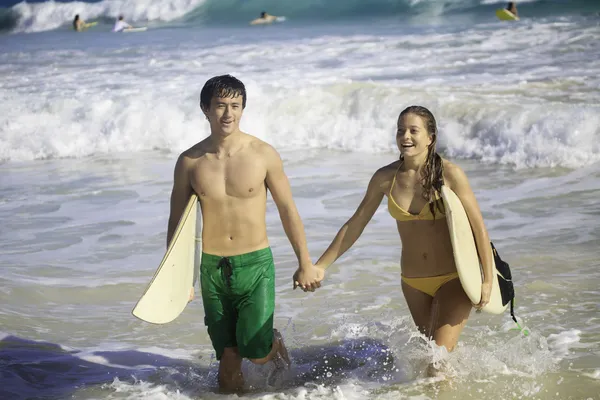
[262,148]
[195,152]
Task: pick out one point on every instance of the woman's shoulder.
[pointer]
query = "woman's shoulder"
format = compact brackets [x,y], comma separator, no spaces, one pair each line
[453,174]
[383,177]
[387,171]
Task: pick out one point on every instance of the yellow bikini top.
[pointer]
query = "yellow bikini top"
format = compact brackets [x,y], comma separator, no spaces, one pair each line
[400,214]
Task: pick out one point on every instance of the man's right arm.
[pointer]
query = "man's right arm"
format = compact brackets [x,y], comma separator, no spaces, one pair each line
[182,190]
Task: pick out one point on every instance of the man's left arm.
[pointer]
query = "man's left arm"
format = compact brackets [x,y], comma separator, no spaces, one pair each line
[308,276]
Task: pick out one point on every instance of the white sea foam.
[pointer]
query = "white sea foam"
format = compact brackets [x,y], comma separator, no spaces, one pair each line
[335,92]
[562,342]
[317,117]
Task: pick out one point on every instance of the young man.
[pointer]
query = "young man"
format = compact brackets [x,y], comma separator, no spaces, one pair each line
[230,171]
[121,25]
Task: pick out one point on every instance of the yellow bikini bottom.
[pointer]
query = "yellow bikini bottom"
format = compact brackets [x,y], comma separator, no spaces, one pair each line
[430,284]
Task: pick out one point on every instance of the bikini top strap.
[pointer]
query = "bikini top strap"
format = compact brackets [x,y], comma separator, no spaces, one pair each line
[394,180]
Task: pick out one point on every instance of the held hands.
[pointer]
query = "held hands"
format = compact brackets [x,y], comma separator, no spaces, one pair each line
[308,277]
[486,291]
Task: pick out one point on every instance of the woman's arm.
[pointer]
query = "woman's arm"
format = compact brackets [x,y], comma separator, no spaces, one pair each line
[352,229]
[458,182]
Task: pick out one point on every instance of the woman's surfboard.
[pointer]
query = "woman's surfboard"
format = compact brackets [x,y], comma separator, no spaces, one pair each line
[465,254]
[505,15]
[168,292]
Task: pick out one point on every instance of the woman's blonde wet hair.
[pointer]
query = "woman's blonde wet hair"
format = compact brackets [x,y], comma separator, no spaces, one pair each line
[433,170]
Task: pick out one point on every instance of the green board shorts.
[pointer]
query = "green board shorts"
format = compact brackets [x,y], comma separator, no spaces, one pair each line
[238,293]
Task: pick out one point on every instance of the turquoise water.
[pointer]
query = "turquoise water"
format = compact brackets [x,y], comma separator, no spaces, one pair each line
[38,16]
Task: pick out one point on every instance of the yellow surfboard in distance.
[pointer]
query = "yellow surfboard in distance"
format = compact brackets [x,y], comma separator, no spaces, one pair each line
[168,292]
[465,254]
[90,24]
[505,15]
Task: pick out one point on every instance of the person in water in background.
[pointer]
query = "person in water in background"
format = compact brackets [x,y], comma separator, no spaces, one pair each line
[78,23]
[120,25]
[265,18]
[512,7]
[231,172]
[437,302]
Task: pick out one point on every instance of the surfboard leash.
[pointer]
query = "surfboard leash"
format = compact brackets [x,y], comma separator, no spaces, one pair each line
[512,314]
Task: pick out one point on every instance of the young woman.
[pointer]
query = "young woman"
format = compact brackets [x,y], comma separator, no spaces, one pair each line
[437,302]
[78,23]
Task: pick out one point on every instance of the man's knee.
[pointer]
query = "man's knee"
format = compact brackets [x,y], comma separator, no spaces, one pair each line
[267,358]
[231,354]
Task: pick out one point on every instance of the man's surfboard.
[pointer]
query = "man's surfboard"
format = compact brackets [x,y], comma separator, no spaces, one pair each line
[168,292]
[505,15]
[465,254]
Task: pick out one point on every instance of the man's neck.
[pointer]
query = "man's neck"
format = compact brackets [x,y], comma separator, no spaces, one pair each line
[226,144]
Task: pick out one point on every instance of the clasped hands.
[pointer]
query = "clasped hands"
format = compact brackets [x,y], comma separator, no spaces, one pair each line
[308,277]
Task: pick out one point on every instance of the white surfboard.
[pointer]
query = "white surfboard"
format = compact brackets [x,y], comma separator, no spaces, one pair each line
[138,29]
[268,20]
[168,292]
[465,254]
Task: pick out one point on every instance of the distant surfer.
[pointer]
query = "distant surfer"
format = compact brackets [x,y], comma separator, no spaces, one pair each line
[78,23]
[512,8]
[437,302]
[231,171]
[264,18]
[121,25]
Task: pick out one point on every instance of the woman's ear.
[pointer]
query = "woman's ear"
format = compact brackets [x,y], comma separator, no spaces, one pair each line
[432,139]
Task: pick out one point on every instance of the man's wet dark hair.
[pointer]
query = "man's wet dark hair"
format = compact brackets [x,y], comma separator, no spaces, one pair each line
[222,86]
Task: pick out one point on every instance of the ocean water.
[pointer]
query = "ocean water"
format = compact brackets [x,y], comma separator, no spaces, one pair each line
[91,124]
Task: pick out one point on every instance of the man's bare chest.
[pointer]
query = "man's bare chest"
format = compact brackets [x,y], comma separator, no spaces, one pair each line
[243,177]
